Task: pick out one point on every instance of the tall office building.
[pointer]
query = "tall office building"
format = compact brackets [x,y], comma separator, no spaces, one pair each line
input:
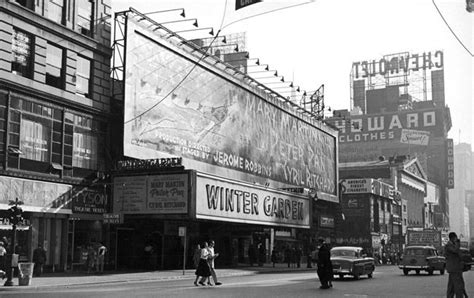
[54,110]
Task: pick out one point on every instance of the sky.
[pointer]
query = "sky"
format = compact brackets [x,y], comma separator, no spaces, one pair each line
[315,42]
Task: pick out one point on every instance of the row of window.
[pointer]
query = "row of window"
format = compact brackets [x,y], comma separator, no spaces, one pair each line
[60,11]
[50,135]
[23,63]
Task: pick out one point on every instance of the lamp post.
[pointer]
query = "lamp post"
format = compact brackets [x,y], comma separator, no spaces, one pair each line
[15,215]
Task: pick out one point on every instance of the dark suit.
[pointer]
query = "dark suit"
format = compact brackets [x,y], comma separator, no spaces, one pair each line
[454,267]
[325,273]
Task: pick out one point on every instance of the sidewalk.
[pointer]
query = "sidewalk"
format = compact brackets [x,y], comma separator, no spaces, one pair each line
[108,277]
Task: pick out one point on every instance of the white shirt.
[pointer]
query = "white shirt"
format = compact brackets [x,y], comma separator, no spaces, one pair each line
[211,256]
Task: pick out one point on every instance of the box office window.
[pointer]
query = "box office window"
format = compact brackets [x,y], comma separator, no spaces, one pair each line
[54,66]
[22,53]
[83,73]
[35,137]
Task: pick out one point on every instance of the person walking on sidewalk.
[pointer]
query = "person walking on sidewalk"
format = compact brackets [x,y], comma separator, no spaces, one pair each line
[212,256]
[203,270]
[91,258]
[39,258]
[101,258]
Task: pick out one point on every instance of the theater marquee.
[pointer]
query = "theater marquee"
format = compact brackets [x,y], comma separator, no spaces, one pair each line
[227,200]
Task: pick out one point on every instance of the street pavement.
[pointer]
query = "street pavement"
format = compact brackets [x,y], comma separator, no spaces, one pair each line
[258,282]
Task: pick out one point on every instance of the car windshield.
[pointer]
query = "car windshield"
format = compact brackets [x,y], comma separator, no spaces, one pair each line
[344,253]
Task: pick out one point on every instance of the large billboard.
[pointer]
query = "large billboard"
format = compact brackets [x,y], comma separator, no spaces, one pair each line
[178,105]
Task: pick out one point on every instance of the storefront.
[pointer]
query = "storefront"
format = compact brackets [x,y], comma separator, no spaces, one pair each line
[242,218]
[45,211]
[85,227]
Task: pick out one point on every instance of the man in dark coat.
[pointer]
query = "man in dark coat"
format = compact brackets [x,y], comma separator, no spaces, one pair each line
[325,273]
[454,266]
[39,258]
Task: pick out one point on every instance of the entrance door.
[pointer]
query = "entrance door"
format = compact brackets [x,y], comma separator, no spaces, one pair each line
[126,259]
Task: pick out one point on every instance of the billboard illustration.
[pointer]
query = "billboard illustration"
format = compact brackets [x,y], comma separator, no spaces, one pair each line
[178,106]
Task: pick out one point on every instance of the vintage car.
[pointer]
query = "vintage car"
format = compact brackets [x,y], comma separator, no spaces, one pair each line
[420,258]
[350,260]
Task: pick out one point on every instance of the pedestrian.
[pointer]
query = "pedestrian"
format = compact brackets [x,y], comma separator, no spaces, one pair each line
[3,254]
[274,257]
[252,253]
[39,258]
[101,257]
[210,259]
[324,271]
[91,258]
[261,254]
[203,270]
[454,266]
[196,255]
[298,255]
[148,251]
[293,257]
[288,255]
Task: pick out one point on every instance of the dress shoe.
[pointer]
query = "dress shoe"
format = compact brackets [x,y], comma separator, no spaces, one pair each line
[218,283]
[324,287]
[201,283]
[195,283]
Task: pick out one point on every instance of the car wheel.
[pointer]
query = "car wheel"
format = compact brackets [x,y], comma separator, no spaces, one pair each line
[356,275]
[417,272]
[341,276]
[441,271]
[369,275]
[405,271]
[430,271]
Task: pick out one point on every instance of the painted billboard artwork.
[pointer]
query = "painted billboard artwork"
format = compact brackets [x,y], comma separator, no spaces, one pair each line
[174,107]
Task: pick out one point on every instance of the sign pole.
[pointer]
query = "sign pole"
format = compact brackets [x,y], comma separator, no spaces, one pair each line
[184,255]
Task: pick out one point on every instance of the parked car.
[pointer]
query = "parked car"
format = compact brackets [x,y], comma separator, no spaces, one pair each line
[467,258]
[350,260]
[422,258]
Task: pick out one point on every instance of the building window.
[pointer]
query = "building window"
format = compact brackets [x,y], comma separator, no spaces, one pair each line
[404,208]
[35,136]
[26,3]
[83,73]
[54,66]
[85,20]
[56,11]
[22,53]
[85,148]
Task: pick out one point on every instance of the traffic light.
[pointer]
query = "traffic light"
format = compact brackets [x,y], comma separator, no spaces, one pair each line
[15,215]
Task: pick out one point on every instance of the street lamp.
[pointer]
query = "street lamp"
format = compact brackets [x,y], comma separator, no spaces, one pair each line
[15,214]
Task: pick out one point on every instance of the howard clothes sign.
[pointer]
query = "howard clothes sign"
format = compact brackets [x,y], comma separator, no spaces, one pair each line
[390,126]
[228,200]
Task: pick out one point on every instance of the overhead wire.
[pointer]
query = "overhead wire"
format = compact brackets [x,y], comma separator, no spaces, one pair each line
[185,77]
[222,27]
[450,29]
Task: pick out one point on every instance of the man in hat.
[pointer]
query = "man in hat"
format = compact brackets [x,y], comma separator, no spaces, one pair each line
[325,273]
